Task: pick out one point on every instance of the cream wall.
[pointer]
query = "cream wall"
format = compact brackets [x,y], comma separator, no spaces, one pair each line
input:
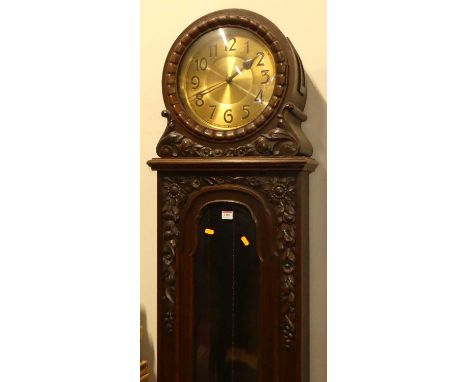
[304,22]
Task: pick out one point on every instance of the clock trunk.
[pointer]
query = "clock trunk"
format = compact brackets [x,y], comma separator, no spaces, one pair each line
[233,269]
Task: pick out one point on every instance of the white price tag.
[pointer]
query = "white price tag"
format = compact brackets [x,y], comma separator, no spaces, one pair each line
[229,215]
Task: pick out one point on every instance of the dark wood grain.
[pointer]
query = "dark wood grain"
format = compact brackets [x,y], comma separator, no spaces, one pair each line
[263,167]
[245,165]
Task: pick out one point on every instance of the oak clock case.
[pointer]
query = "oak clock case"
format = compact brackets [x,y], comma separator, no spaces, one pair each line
[232,196]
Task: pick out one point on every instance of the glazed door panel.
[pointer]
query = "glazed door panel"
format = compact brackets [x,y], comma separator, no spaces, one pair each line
[227,278]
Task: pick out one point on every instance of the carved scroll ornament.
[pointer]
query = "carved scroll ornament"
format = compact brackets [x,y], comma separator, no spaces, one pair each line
[277,141]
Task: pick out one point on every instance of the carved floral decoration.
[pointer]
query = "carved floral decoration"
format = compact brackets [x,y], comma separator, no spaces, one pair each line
[279,191]
[277,141]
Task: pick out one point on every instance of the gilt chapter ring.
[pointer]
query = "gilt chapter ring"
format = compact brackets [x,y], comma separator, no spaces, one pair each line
[183,43]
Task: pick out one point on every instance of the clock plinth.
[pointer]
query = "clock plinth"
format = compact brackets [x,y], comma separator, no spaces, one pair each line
[233,190]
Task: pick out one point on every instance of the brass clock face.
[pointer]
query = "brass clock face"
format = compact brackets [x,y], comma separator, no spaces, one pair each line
[226,78]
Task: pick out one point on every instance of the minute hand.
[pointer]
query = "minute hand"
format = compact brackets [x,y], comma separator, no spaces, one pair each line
[247,64]
[208,89]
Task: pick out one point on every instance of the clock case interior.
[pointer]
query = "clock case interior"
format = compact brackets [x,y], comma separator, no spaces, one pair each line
[230,311]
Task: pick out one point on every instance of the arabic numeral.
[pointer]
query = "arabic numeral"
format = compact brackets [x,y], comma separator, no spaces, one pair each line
[228,117]
[214,109]
[201,63]
[214,50]
[266,75]
[259,97]
[262,56]
[199,101]
[195,82]
[231,48]
[246,111]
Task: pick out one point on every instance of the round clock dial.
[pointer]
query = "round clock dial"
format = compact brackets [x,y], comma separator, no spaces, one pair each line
[226,78]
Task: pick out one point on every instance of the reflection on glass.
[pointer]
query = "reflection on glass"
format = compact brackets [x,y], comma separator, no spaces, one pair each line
[227,284]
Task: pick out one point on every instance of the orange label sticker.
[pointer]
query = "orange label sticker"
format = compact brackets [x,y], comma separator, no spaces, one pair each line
[245,241]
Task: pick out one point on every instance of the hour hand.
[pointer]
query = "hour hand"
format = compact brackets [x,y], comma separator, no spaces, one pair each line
[247,64]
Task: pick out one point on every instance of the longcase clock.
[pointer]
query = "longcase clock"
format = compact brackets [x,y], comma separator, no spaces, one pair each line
[233,173]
